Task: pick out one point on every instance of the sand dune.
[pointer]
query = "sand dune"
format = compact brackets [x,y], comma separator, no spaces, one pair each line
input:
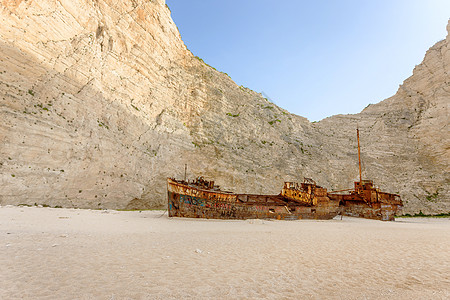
[82,254]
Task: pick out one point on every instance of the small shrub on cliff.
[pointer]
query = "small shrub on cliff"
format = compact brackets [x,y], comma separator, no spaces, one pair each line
[274,121]
[433,197]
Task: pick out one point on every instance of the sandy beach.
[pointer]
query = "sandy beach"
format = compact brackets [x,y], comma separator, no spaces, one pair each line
[49,253]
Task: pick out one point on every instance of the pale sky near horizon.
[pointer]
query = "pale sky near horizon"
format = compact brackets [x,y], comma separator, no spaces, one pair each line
[314,58]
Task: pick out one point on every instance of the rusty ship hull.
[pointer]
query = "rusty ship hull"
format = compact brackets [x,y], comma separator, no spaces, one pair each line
[366,201]
[201,199]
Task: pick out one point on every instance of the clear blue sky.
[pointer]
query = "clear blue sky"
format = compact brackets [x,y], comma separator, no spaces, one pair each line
[314,58]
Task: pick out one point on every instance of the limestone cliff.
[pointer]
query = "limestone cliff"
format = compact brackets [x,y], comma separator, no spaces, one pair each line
[101,101]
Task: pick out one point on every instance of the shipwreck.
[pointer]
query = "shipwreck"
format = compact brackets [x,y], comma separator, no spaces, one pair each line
[201,198]
[367,201]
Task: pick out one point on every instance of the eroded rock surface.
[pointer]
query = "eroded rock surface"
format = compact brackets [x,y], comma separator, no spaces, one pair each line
[101,101]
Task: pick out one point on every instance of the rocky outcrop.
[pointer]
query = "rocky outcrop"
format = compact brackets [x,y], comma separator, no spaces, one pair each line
[101,101]
[406,137]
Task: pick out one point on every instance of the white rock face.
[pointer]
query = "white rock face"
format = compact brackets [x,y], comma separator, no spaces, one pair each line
[101,101]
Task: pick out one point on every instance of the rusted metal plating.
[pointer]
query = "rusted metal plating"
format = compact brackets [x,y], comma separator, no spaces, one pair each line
[365,200]
[306,193]
[202,199]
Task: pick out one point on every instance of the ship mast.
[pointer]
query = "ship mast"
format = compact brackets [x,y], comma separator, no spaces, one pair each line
[359,155]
